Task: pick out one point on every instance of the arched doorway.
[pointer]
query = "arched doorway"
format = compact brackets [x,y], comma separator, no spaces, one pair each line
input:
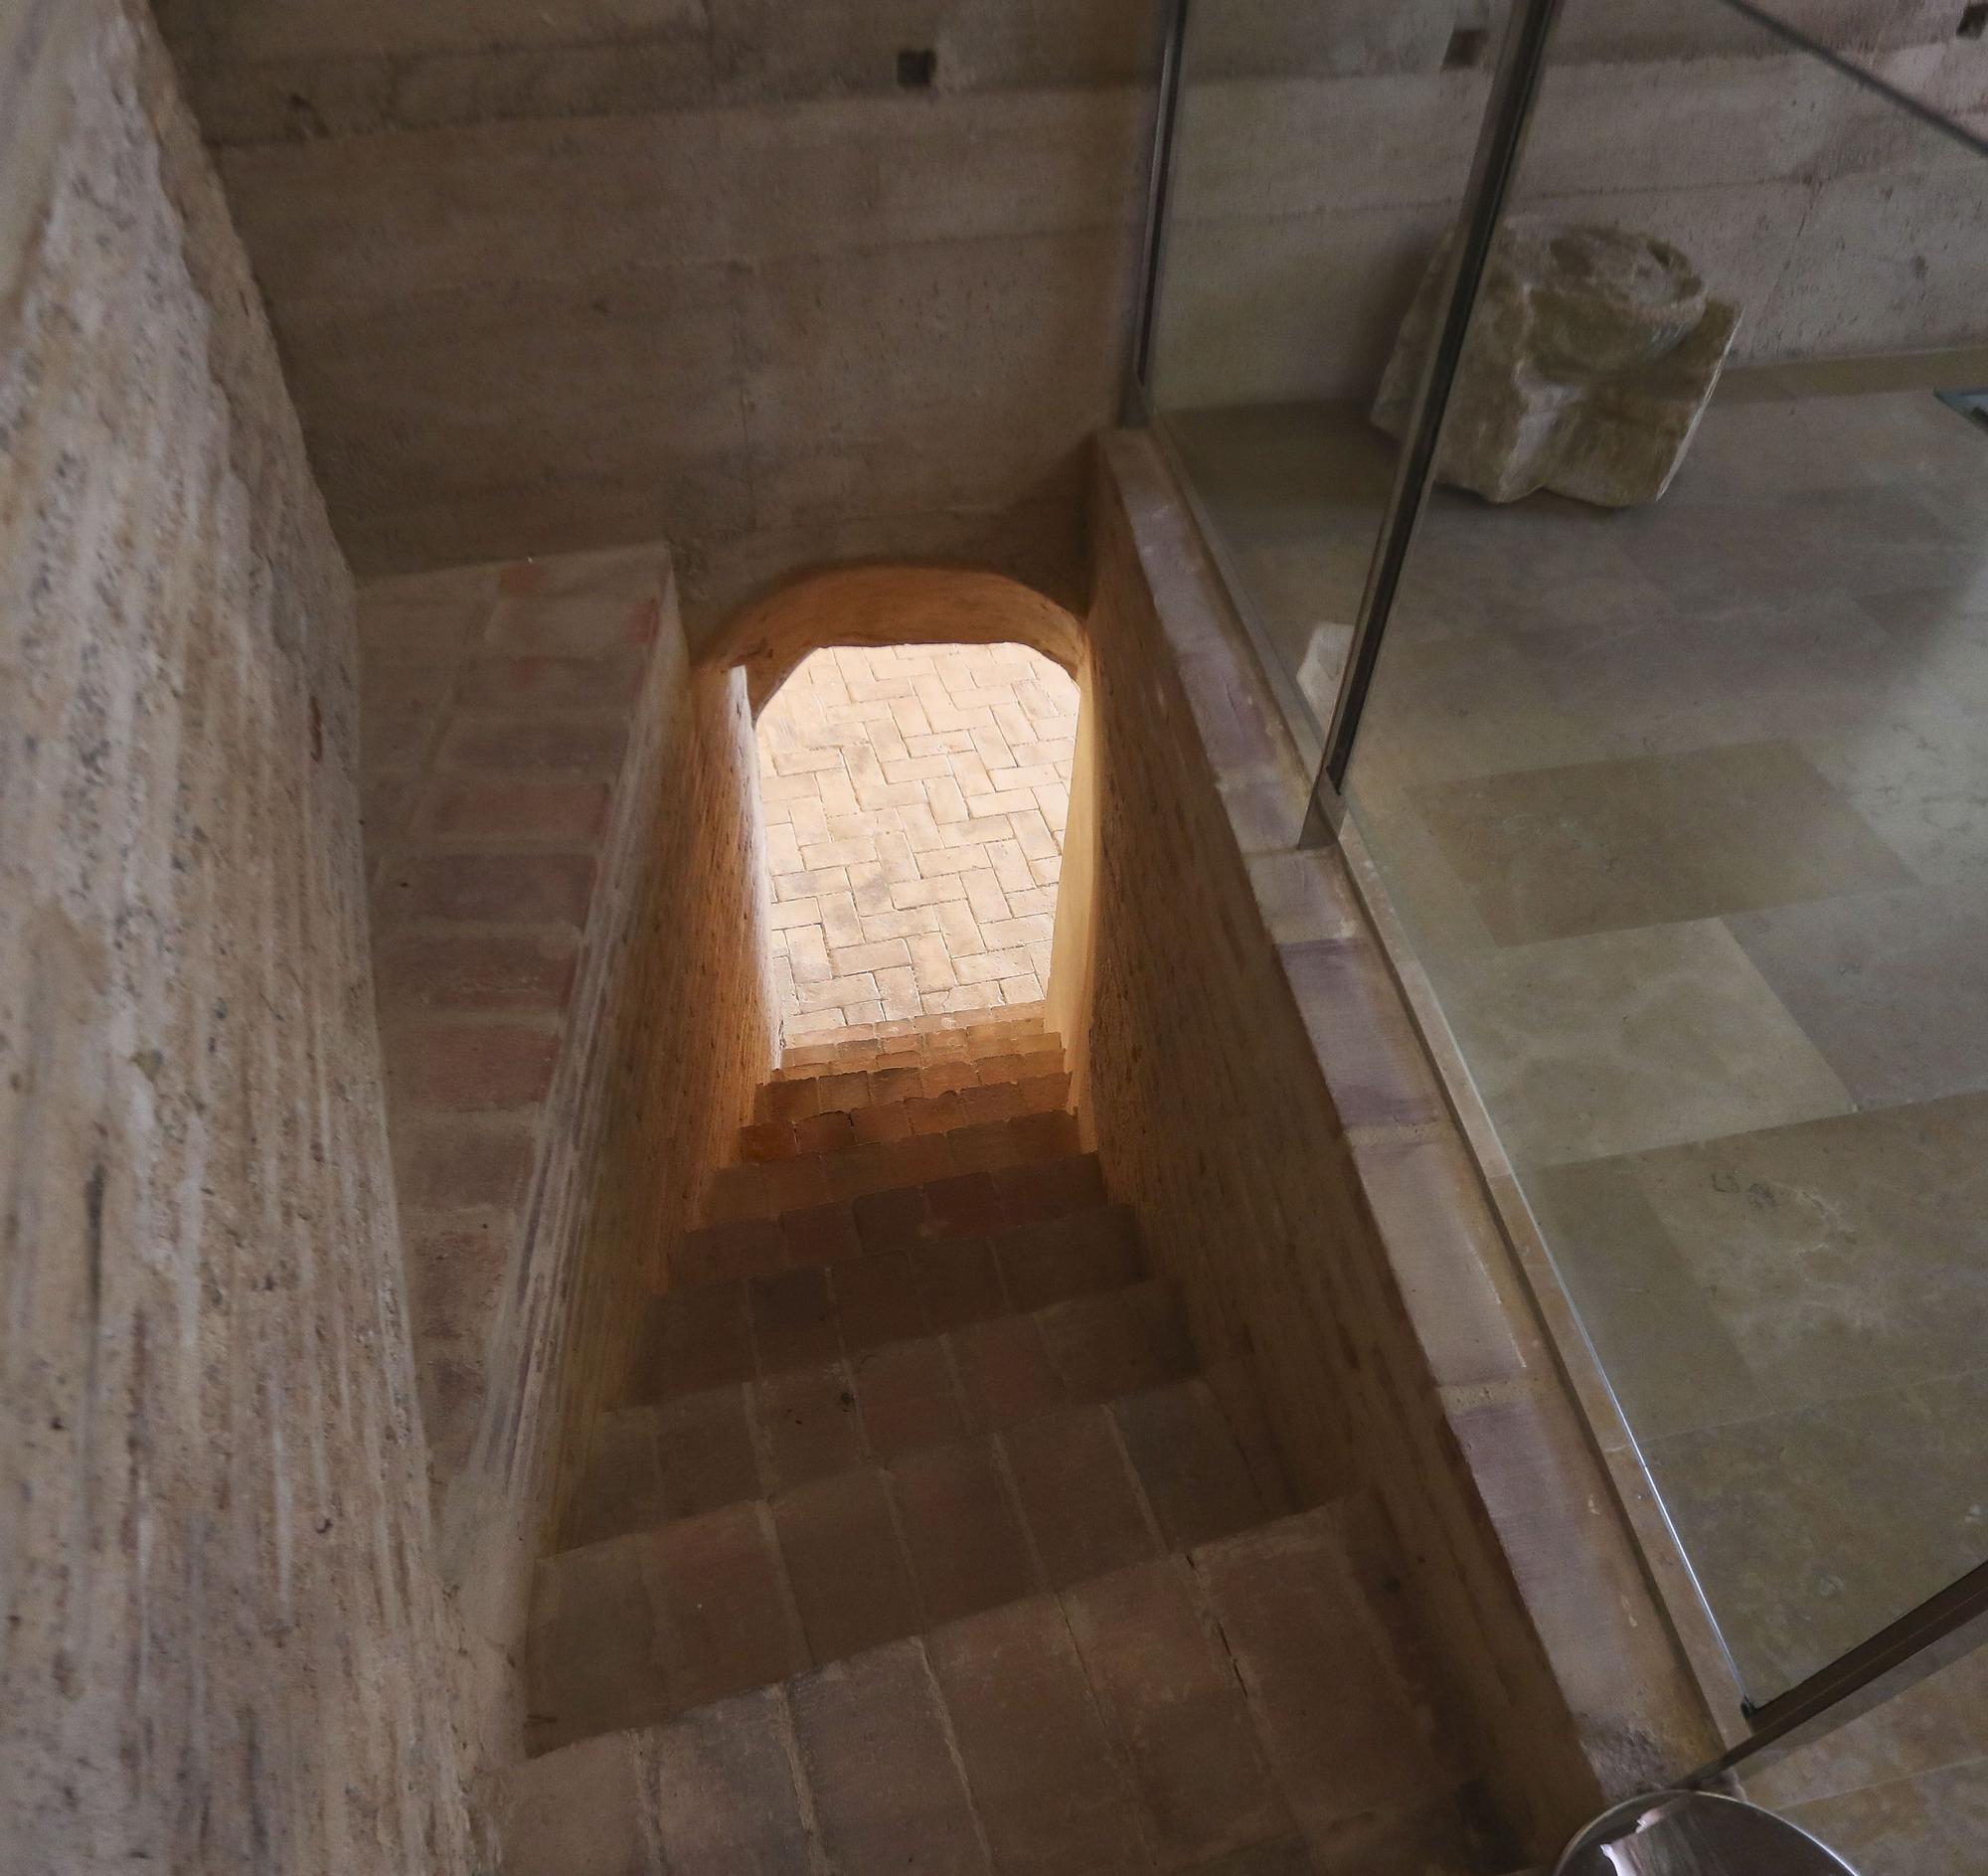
[916,739]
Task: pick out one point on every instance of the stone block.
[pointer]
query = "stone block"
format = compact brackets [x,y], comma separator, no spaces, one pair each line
[1591,356]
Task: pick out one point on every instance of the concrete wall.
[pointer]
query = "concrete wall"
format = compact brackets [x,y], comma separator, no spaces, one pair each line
[555,276]
[564,843]
[225,1647]
[1309,202]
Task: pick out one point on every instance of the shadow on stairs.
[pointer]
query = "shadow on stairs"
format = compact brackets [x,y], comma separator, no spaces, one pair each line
[920,1544]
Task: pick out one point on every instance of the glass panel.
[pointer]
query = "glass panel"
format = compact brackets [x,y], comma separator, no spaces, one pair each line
[1318,155]
[1683,798]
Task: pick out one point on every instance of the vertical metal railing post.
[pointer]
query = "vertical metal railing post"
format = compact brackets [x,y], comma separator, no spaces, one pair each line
[1514,89]
[1159,186]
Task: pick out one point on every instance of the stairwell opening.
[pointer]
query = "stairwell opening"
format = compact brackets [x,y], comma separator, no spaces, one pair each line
[916,798]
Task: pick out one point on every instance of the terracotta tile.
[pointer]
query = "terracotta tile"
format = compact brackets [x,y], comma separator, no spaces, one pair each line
[721,1253]
[1194,1473]
[697,1337]
[704,1455]
[1005,1372]
[1177,1712]
[960,1282]
[1049,1791]
[907,1397]
[886,1791]
[850,1578]
[1046,1188]
[1287,1602]
[721,1611]
[877,1300]
[965,1539]
[809,1424]
[1077,1495]
[1076,1255]
[793,1319]
[820,1233]
[724,1788]
[1117,1343]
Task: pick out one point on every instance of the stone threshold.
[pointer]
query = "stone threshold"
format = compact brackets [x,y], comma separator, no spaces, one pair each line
[1606,1591]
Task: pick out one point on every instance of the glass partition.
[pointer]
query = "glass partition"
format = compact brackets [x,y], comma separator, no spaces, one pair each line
[1318,154]
[1675,768]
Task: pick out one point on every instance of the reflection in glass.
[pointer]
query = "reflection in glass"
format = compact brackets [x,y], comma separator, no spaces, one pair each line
[1317,160]
[1684,805]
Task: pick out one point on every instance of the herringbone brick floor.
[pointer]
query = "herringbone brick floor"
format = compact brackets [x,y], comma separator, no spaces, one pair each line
[916,798]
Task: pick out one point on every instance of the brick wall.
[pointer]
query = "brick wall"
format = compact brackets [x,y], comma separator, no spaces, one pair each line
[225,1645]
[564,842]
[1247,1070]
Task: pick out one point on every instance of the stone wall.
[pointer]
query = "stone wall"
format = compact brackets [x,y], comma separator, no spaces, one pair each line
[564,842]
[1311,194]
[226,1644]
[1248,1075]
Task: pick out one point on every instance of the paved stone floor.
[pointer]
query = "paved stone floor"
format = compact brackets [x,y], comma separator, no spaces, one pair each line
[1686,808]
[915,799]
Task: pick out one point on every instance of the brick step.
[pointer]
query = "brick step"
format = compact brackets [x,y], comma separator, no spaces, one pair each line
[850,1091]
[925,1037]
[1005,1149]
[885,1122]
[959,1274]
[841,1558]
[1232,1706]
[894,1030]
[720,1335]
[761,1433]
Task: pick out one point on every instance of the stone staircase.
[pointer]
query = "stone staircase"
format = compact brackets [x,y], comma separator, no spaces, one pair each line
[922,1545]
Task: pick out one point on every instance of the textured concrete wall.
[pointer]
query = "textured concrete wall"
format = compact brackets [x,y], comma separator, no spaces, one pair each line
[549,277]
[1251,1083]
[226,1648]
[578,275]
[1309,202]
[565,852]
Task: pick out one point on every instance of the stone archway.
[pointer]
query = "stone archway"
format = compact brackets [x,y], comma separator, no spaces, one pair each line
[888,603]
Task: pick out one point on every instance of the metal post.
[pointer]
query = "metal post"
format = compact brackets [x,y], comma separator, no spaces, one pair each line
[1159,186]
[1514,90]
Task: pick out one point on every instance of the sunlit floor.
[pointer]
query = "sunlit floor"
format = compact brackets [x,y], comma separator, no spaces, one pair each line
[1687,810]
[915,798]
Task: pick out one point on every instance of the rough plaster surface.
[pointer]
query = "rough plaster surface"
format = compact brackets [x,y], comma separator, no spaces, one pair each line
[567,878]
[225,1648]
